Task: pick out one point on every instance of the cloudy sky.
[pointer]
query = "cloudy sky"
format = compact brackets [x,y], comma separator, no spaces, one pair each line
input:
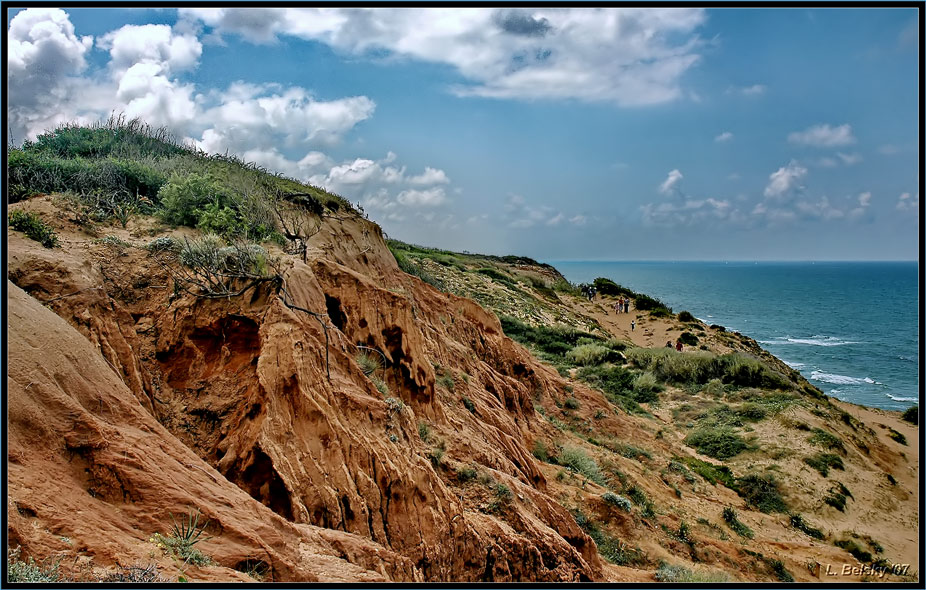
[625,134]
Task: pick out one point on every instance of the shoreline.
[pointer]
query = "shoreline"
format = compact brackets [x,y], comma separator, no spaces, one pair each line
[804,364]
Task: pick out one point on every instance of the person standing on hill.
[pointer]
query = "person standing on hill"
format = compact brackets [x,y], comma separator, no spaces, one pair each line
[626,305]
[668,344]
[620,305]
[678,345]
[633,325]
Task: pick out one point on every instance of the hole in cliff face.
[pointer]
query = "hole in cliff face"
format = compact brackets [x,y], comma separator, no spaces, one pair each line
[262,482]
[392,340]
[333,305]
[346,510]
[223,347]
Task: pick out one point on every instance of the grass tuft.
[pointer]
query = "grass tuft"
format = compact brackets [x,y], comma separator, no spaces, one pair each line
[34,228]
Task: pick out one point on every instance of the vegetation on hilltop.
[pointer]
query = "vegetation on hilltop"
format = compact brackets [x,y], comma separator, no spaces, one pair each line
[118,168]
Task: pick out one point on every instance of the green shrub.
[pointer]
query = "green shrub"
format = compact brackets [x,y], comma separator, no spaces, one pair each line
[540,451]
[183,198]
[466,473]
[164,244]
[827,440]
[822,462]
[854,550]
[26,572]
[553,342]
[647,303]
[447,381]
[215,268]
[617,501]
[684,316]
[561,285]
[610,380]
[34,228]
[730,517]
[610,547]
[576,459]
[407,266]
[424,431]
[778,568]
[713,388]
[761,492]
[897,436]
[608,287]
[710,472]
[718,327]
[719,443]
[617,385]
[637,496]
[645,388]
[381,386]
[751,411]
[436,455]
[496,275]
[367,362]
[688,339]
[837,496]
[678,574]
[798,522]
[468,404]
[588,354]
[184,534]
[911,415]
[214,217]
[571,403]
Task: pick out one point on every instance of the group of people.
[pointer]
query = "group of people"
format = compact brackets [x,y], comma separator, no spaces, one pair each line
[678,344]
[622,305]
[588,291]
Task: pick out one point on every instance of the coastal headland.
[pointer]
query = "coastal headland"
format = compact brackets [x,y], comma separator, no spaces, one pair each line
[191,398]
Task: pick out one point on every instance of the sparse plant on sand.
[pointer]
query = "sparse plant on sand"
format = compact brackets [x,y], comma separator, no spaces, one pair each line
[184,533]
[34,228]
[576,459]
[19,571]
[732,519]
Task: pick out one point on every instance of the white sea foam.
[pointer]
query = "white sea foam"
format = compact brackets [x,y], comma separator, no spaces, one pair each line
[812,341]
[793,364]
[902,399]
[841,379]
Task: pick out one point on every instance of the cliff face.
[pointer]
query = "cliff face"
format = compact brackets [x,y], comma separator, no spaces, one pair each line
[131,401]
[258,405]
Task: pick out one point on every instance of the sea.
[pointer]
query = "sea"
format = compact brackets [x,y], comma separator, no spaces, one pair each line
[851,328]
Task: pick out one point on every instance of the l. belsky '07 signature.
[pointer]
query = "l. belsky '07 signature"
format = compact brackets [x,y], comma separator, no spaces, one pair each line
[848,569]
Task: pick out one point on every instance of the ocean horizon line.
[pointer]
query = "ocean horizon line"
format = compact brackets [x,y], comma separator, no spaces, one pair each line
[737,261]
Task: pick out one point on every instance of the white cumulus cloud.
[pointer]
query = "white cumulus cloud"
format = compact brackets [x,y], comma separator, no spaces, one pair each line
[849,159]
[44,56]
[158,44]
[824,136]
[431,197]
[907,203]
[629,56]
[785,179]
[670,182]
[724,137]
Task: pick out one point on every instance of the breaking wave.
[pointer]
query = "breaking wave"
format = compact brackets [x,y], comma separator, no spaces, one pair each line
[841,379]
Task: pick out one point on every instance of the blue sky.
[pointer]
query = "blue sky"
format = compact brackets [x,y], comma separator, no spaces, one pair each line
[558,133]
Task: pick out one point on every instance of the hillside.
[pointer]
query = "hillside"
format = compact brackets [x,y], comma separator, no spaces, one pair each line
[189,335]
